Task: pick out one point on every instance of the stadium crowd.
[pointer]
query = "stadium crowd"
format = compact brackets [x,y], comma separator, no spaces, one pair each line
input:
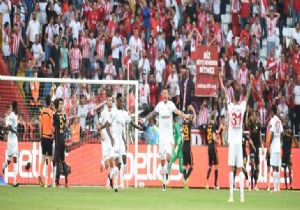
[155,42]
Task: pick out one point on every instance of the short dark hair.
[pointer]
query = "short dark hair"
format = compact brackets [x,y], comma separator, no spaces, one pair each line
[109,95]
[237,95]
[56,102]
[274,109]
[15,106]
[48,100]
[119,95]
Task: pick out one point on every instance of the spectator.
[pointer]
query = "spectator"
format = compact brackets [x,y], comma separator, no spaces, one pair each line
[64,54]
[6,10]
[54,57]
[49,38]
[75,26]
[75,60]
[296,33]
[16,41]
[282,108]
[144,92]
[116,44]
[187,88]
[233,63]
[177,47]
[271,20]
[172,83]
[33,29]
[85,45]
[144,65]
[296,12]
[160,68]
[245,13]
[153,86]
[37,51]
[110,71]
[135,44]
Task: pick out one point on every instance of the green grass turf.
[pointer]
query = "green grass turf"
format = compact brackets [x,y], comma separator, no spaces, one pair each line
[88,198]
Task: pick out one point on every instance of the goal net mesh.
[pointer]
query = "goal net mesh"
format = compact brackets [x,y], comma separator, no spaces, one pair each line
[84,101]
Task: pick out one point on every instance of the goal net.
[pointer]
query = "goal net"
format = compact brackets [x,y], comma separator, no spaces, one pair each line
[84,101]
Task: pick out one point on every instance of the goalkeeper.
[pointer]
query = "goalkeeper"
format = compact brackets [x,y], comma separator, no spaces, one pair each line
[178,145]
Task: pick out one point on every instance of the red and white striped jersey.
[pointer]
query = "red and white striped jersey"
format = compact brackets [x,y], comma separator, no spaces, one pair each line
[85,44]
[271,64]
[271,27]
[235,6]
[100,49]
[15,43]
[243,76]
[75,58]
[203,116]
[263,116]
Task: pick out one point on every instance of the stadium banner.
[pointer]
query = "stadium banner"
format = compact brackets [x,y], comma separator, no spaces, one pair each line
[207,71]
[85,166]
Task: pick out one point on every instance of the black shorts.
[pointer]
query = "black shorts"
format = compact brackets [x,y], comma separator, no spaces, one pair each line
[255,155]
[187,155]
[286,159]
[46,144]
[212,156]
[268,159]
[244,153]
[59,152]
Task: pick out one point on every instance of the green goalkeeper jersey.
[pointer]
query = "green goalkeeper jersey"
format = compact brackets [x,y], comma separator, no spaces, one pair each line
[178,143]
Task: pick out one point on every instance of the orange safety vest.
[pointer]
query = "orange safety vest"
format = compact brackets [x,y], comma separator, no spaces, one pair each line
[75,133]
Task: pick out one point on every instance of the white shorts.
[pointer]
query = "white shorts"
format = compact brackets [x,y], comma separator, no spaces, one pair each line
[107,150]
[12,147]
[275,159]
[165,147]
[235,155]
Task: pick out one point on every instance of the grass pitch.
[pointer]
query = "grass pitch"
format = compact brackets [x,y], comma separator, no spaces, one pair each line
[88,198]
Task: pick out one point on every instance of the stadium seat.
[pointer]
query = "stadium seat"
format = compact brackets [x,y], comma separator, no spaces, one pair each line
[226,19]
[263,52]
[255,10]
[228,8]
[289,22]
[264,42]
[277,32]
[285,32]
[225,28]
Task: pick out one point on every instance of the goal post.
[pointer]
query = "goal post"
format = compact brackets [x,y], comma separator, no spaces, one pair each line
[30,93]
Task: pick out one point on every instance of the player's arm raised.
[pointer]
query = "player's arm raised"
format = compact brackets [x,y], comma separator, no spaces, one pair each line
[194,117]
[249,89]
[222,87]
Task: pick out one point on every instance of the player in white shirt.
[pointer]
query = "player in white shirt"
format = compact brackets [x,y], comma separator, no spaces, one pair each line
[165,109]
[107,150]
[236,112]
[276,130]
[115,130]
[12,141]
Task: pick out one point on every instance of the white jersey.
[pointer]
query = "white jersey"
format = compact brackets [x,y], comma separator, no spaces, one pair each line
[12,121]
[165,120]
[277,129]
[118,119]
[105,115]
[235,116]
